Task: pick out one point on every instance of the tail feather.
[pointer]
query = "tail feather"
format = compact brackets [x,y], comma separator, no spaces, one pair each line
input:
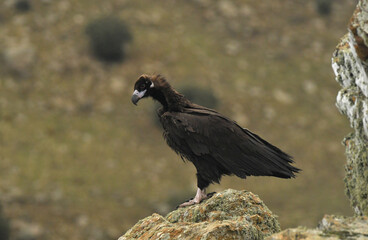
[275,160]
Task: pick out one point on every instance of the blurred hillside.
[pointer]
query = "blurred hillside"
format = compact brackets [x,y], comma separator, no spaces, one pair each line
[78,160]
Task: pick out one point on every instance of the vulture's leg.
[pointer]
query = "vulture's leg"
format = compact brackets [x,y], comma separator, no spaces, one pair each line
[201,192]
[201,195]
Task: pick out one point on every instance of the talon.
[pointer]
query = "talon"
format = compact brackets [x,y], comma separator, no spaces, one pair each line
[199,197]
[189,203]
[209,195]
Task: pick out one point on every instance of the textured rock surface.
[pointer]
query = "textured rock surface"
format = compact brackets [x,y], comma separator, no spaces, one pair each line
[331,227]
[229,214]
[350,64]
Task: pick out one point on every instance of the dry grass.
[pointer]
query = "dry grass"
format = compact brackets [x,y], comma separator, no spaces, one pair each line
[73,146]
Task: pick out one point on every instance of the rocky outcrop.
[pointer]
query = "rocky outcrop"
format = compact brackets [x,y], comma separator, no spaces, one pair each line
[229,214]
[331,228]
[350,64]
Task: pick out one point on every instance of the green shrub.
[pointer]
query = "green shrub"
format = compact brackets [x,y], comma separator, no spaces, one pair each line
[324,7]
[4,226]
[108,36]
[22,5]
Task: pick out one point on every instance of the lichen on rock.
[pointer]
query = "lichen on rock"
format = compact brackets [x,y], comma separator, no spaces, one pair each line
[350,64]
[331,227]
[230,214]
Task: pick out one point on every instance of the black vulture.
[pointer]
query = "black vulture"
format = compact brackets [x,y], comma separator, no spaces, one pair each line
[215,144]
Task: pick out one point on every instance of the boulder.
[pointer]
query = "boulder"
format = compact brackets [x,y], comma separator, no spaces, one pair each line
[349,62]
[230,214]
[331,227]
[350,65]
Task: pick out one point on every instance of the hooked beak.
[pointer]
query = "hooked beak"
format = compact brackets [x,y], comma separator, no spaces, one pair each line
[137,96]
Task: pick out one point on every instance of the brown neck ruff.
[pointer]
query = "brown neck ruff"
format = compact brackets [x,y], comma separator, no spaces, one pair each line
[170,99]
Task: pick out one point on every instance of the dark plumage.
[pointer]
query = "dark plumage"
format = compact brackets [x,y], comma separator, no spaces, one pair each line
[215,144]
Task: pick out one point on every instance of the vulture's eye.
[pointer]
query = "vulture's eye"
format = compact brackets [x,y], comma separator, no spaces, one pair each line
[142,87]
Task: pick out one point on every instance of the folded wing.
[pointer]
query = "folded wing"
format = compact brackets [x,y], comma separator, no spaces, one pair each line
[199,131]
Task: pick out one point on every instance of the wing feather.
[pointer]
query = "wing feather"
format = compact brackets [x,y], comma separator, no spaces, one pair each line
[199,132]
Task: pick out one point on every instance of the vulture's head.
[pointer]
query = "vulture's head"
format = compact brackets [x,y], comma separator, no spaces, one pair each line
[143,87]
[159,89]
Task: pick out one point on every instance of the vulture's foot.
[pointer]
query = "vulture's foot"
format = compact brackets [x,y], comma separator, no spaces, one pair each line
[189,203]
[199,197]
